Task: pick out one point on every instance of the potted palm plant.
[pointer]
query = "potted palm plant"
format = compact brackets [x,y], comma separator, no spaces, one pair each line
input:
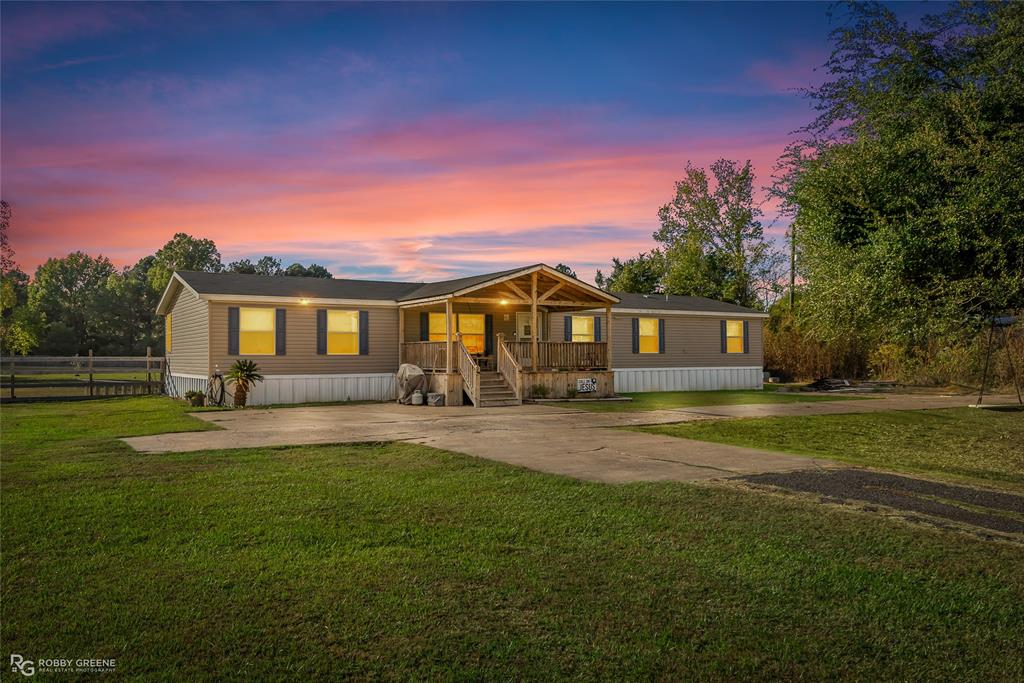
[244,374]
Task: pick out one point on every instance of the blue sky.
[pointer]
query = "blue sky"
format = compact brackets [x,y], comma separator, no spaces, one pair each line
[388,140]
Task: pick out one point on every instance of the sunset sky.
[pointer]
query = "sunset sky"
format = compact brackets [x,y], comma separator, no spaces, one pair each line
[393,141]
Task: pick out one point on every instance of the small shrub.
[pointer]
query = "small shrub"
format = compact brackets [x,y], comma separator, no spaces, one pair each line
[571,392]
[539,391]
[244,374]
[195,398]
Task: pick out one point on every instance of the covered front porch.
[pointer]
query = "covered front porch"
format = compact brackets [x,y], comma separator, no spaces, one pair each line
[492,341]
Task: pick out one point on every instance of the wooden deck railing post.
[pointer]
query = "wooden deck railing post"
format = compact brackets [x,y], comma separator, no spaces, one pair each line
[534,332]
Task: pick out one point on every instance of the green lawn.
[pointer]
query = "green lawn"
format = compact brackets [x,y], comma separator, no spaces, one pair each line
[662,400]
[986,445]
[403,562]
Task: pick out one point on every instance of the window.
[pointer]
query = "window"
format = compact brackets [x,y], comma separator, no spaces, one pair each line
[582,328]
[256,331]
[472,328]
[437,327]
[167,333]
[343,333]
[734,336]
[649,335]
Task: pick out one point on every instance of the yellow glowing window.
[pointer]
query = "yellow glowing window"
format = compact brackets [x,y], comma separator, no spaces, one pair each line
[649,335]
[343,333]
[167,333]
[734,336]
[582,328]
[437,327]
[472,328]
[256,331]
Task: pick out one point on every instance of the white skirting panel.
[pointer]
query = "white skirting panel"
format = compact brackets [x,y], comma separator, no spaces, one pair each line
[322,388]
[177,385]
[687,379]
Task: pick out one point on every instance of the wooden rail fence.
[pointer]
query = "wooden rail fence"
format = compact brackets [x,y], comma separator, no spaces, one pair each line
[37,378]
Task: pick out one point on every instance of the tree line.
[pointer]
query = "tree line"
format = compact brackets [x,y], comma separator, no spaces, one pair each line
[905,196]
[81,302]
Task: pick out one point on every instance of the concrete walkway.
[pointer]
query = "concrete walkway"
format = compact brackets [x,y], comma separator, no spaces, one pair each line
[547,438]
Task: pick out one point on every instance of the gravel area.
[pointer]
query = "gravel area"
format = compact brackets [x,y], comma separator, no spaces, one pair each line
[984,508]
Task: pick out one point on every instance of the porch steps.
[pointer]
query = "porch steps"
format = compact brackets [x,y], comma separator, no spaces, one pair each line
[495,392]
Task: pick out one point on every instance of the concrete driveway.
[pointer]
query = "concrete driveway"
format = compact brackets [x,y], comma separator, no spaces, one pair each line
[546,438]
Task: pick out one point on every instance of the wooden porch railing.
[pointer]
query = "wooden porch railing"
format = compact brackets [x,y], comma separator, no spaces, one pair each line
[561,355]
[509,367]
[429,355]
[469,370]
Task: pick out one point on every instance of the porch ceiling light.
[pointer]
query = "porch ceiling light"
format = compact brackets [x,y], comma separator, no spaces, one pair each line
[504,302]
[304,301]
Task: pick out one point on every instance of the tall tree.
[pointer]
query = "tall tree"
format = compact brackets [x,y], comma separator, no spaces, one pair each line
[908,188]
[713,240]
[562,268]
[641,274]
[268,265]
[70,292]
[19,326]
[314,270]
[183,252]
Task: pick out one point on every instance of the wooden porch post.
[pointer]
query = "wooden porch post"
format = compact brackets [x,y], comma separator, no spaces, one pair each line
[608,337]
[534,328]
[449,322]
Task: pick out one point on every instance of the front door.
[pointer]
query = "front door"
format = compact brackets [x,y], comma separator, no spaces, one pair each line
[524,323]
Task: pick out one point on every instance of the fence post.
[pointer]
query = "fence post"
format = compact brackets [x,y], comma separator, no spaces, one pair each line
[12,383]
[91,391]
[149,376]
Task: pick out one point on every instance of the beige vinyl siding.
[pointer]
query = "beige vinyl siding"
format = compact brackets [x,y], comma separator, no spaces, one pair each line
[189,342]
[301,357]
[690,341]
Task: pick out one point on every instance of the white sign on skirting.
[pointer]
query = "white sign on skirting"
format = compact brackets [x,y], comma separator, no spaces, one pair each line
[586,385]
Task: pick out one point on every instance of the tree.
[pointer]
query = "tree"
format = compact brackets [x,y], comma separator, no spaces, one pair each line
[907,190]
[641,274]
[70,291]
[19,326]
[183,252]
[314,270]
[268,265]
[562,268]
[712,238]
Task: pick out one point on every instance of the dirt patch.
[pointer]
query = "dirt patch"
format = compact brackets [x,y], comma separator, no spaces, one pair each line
[993,510]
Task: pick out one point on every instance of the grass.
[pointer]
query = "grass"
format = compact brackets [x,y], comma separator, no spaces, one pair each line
[986,445]
[404,562]
[665,400]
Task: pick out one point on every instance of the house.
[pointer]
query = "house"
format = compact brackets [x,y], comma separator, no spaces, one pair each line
[335,340]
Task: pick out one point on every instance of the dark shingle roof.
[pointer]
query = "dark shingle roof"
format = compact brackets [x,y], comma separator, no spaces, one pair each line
[383,290]
[661,302]
[430,289]
[283,285]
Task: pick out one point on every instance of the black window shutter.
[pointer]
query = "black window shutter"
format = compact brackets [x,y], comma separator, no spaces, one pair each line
[746,336]
[321,331]
[725,340]
[232,330]
[636,334]
[488,334]
[364,333]
[661,335]
[597,328]
[279,332]
[424,326]
[567,330]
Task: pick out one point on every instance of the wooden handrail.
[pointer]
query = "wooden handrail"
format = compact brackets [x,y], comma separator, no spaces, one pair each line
[509,367]
[470,371]
[561,355]
[429,355]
